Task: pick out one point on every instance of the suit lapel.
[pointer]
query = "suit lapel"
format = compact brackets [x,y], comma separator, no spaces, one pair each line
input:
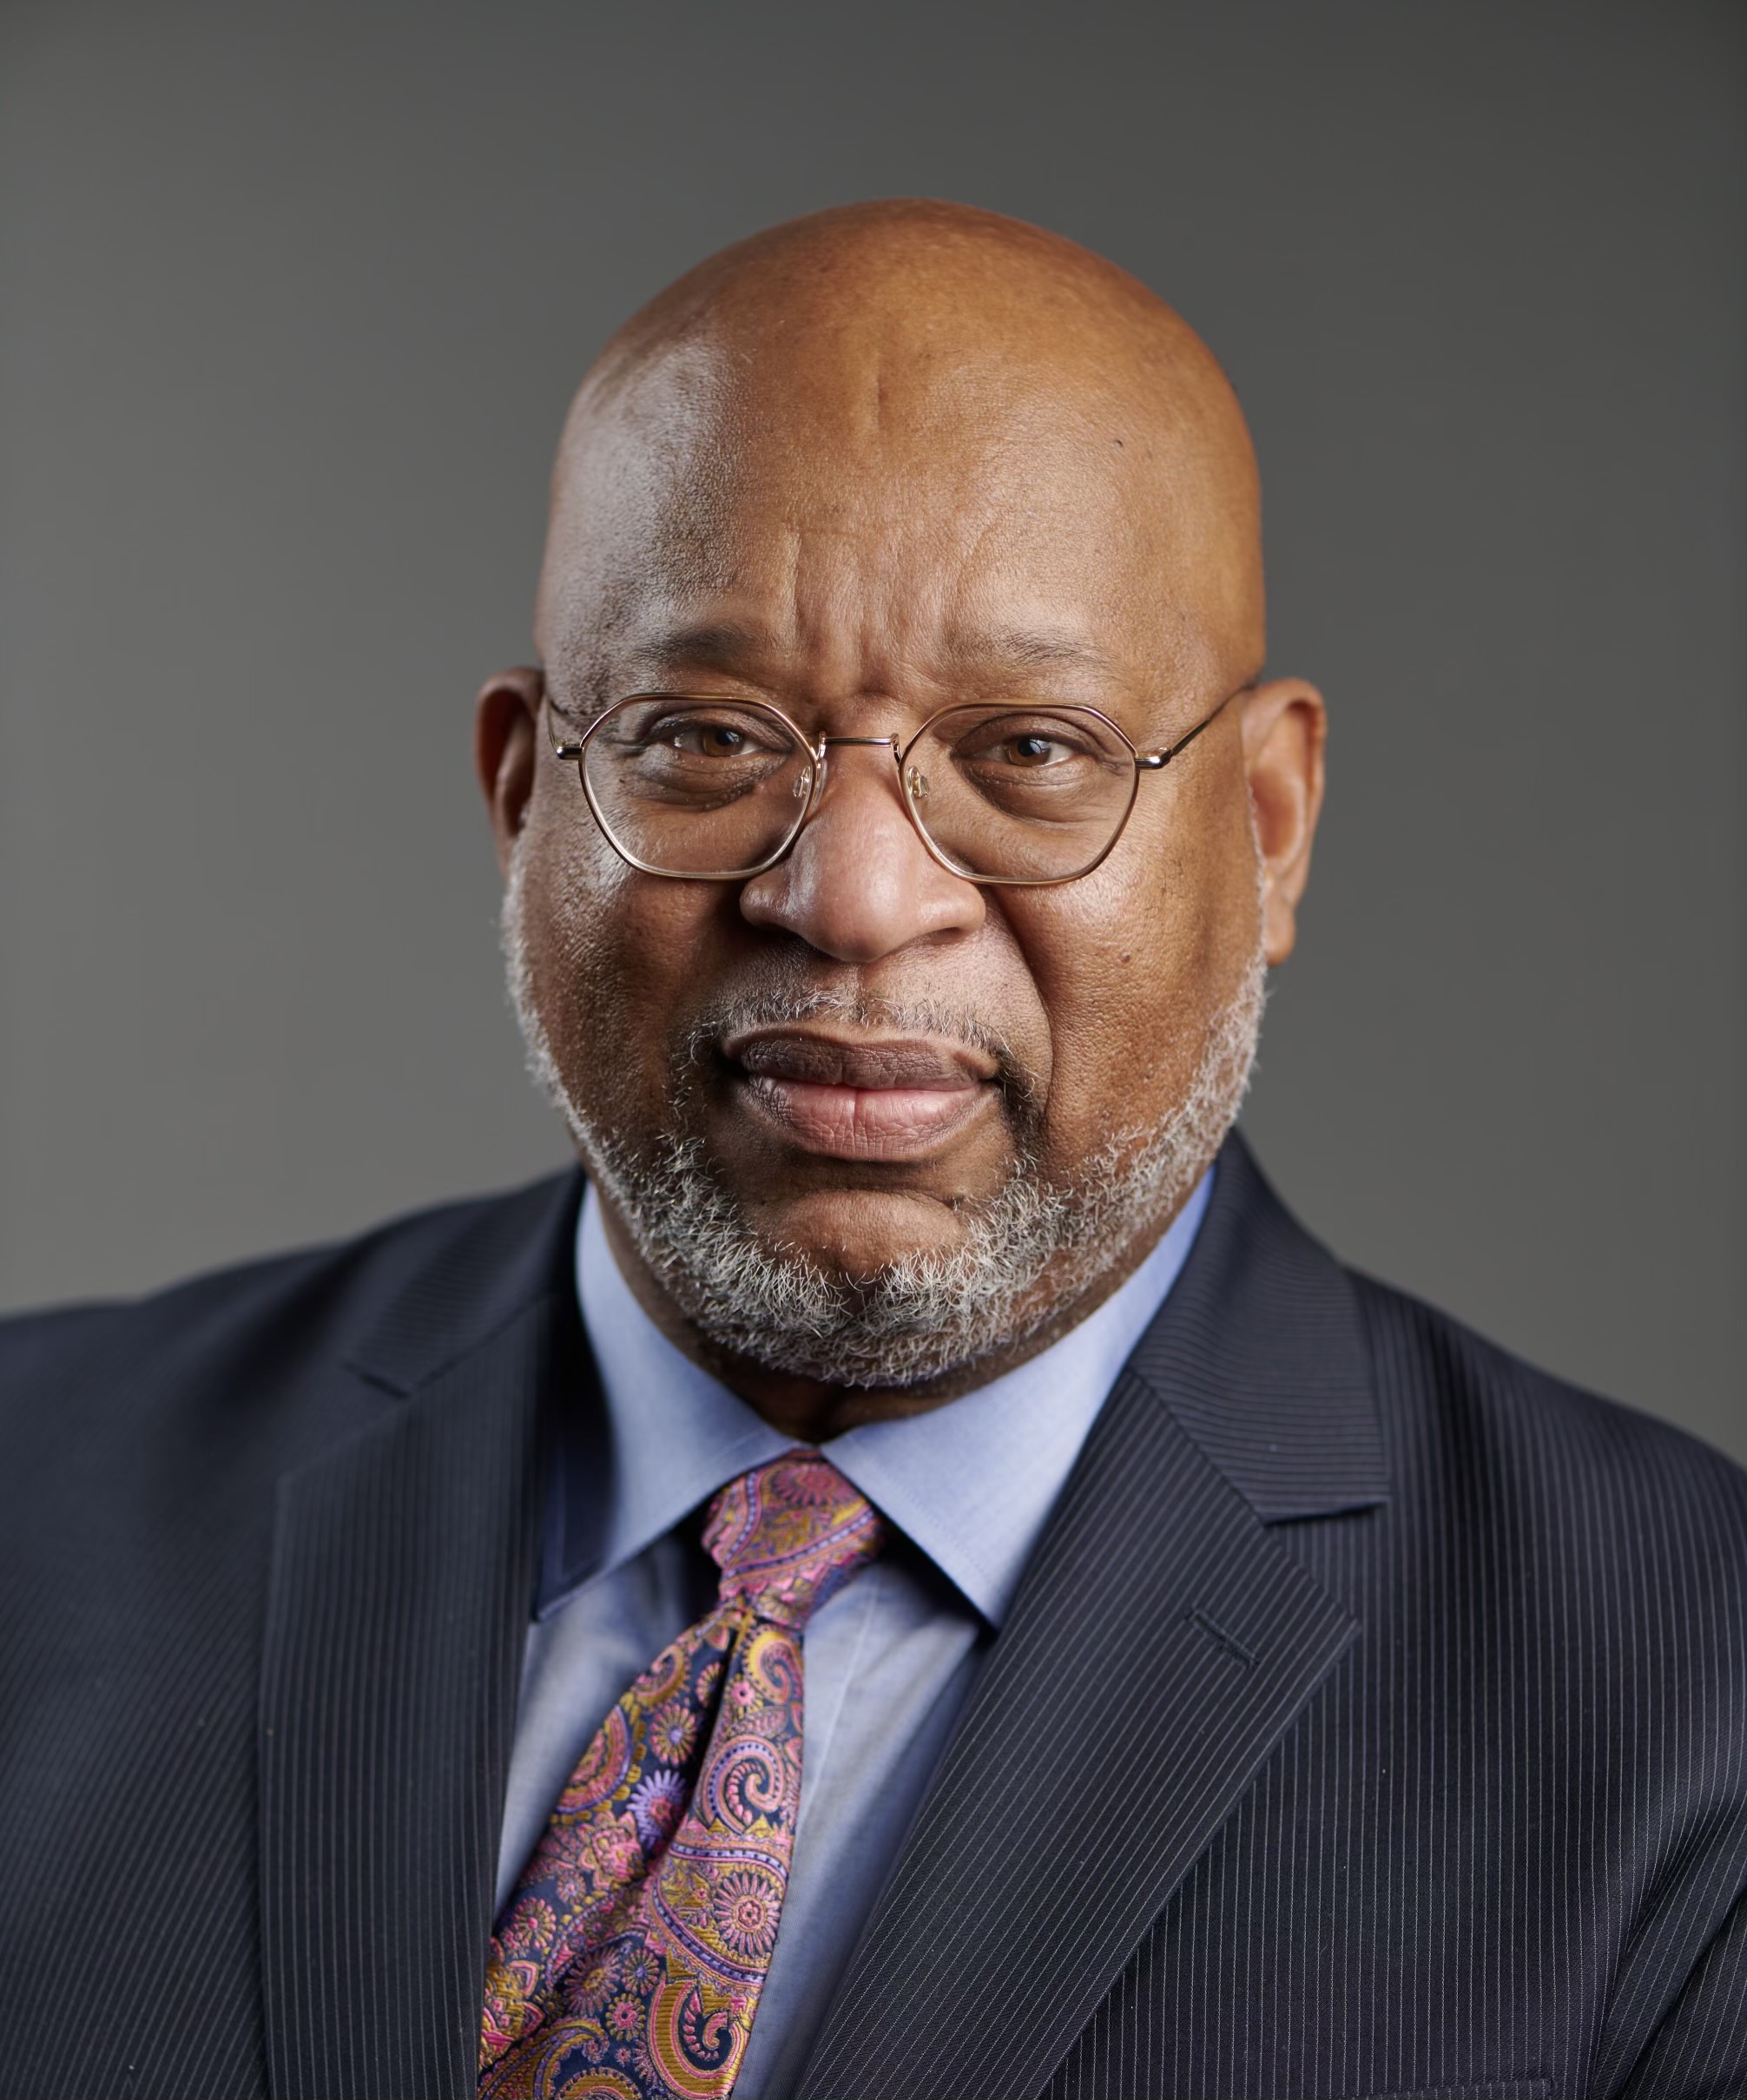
[403,1571]
[1163,1641]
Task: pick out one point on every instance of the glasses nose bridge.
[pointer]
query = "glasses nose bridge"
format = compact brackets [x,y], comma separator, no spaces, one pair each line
[822,748]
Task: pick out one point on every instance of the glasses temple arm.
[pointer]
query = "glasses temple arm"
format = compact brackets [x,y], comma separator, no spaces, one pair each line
[560,748]
[1153,760]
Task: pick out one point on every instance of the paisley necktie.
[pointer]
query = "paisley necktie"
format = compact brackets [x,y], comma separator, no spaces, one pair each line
[628,1963]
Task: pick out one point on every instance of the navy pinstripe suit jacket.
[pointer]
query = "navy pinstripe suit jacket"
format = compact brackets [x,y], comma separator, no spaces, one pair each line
[1371,1721]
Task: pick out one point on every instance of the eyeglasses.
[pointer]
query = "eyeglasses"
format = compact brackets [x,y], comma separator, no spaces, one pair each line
[711,787]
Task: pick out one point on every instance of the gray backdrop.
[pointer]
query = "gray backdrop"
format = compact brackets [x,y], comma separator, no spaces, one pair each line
[293,300]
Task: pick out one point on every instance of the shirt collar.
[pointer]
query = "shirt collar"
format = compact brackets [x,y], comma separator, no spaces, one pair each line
[971,1483]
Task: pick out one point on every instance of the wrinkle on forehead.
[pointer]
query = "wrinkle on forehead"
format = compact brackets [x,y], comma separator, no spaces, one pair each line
[958,387]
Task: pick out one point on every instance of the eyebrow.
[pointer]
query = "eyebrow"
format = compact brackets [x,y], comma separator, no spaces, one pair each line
[1029,649]
[726,644]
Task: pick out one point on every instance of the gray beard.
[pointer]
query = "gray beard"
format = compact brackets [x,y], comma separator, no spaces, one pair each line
[930,1313]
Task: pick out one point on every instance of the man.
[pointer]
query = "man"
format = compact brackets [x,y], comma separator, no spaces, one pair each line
[921,1579]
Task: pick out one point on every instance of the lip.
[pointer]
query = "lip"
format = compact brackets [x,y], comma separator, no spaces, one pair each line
[859,1097]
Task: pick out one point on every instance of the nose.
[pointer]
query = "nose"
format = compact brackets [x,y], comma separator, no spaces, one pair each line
[858,884]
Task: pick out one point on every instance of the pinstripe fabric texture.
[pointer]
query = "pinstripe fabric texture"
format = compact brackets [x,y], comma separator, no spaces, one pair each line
[265,1563]
[1489,1838]
[391,1592]
[1371,1721]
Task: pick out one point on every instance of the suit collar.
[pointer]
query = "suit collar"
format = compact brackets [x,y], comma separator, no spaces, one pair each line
[1163,1641]
[450,1279]
[401,1578]
[1261,1356]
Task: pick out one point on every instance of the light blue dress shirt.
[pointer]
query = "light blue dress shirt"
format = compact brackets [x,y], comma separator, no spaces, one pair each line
[888,1660]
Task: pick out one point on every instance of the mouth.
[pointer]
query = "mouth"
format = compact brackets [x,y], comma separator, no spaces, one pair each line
[861,1097]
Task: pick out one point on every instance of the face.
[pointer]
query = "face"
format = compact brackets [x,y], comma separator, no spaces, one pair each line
[863,1057]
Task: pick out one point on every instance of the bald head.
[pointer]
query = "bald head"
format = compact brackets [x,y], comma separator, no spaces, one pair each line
[991,387]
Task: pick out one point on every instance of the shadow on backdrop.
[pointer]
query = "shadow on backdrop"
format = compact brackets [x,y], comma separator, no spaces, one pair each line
[296,301]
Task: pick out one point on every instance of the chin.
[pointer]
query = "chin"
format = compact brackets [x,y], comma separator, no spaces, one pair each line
[856,1232]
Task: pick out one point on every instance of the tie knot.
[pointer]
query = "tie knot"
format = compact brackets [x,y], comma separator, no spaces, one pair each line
[788,1534]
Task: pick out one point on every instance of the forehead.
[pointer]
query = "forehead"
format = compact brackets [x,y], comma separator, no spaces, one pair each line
[871,504]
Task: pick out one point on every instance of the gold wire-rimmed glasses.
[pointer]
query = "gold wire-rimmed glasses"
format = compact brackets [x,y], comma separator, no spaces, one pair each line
[717,788]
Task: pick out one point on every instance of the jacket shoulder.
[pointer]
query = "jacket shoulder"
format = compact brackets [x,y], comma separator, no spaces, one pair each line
[1458,1404]
[447,1267]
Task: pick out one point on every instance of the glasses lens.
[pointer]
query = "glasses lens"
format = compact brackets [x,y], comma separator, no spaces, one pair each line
[697,786]
[1016,793]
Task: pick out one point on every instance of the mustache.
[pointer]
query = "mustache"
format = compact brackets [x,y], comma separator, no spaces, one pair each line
[781,1006]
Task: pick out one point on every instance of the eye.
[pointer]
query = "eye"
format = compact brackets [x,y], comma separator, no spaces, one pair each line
[711,740]
[1020,749]
[1033,750]
[718,735]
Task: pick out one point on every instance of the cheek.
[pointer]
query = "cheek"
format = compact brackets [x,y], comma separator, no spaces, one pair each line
[1133,962]
[615,957]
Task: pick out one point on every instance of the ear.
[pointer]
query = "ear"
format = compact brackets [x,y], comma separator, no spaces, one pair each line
[1285,724]
[506,742]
